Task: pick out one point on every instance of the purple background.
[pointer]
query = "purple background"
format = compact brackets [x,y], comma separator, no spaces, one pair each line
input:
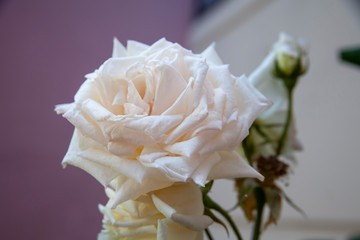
[46,48]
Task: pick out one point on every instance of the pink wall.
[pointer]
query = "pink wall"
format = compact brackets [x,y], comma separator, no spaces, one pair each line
[46,47]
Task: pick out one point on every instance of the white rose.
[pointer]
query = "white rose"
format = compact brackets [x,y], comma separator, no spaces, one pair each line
[274,89]
[172,213]
[155,115]
[291,55]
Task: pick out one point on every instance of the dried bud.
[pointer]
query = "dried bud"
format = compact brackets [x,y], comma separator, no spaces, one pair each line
[271,168]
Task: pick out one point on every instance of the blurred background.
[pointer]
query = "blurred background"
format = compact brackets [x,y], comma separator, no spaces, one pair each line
[47,46]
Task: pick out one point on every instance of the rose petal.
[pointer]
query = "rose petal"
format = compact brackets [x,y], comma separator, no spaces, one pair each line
[129,168]
[118,49]
[169,86]
[83,123]
[211,55]
[200,175]
[130,189]
[195,118]
[135,48]
[233,166]
[188,211]
[154,126]
[102,173]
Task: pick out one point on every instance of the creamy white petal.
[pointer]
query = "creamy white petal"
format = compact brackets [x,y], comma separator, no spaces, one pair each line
[195,118]
[126,167]
[122,149]
[233,166]
[177,168]
[169,86]
[130,189]
[186,211]
[211,55]
[181,105]
[154,126]
[255,103]
[117,132]
[135,48]
[200,175]
[84,124]
[102,173]
[192,146]
[118,49]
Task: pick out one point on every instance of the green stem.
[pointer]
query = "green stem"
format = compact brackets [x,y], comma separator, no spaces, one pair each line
[260,202]
[208,234]
[288,118]
[208,202]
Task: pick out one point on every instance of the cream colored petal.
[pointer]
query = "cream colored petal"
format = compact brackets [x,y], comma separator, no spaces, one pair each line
[193,222]
[189,204]
[178,232]
[162,230]
[199,69]
[116,131]
[130,189]
[115,68]
[84,124]
[95,111]
[186,211]
[62,108]
[177,168]
[122,149]
[142,207]
[164,208]
[135,98]
[118,49]
[154,126]
[133,109]
[200,175]
[169,86]
[228,139]
[129,168]
[256,102]
[181,105]
[157,48]
[195,118]
[136,233]
[135,48]
[150,154]
[233,166]
[192,146]
[102,173]
[211,56]
[87,91]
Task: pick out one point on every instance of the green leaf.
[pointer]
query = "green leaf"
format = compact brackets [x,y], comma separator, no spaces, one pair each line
[273,199]
[351,55]
[208,202]
[246,198]
[209,213]
[293,205]
[208,234]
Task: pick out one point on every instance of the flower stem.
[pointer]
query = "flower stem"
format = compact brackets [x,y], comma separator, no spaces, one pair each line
[213,205]
[290,84]
[260,202]
[208,234]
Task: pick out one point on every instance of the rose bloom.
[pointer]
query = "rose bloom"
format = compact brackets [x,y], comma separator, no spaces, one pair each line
[286,51]
[172,213]
[159,114]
